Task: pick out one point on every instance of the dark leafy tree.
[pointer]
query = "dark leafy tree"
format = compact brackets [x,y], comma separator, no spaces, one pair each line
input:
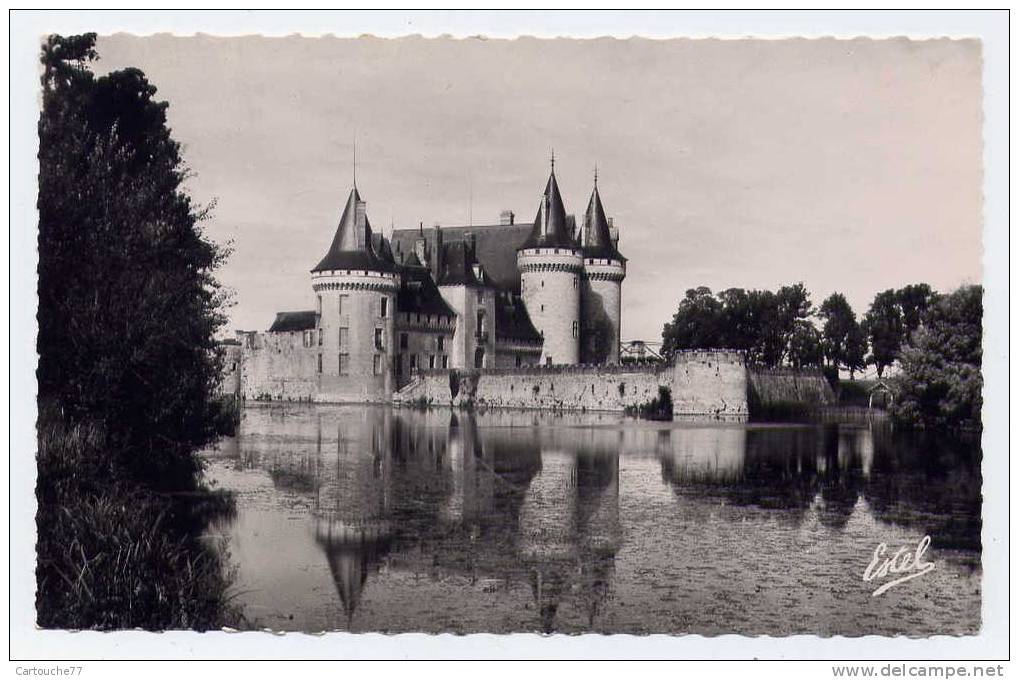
[856,350]
[884,329]
[696,324]
[940,384]
[805,350]
[913,303]
[842,337]
[759,322]
[128,305]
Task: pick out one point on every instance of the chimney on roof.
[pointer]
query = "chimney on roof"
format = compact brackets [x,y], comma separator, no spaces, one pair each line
[506,218]
[472,242]
[436,260]
[421,250]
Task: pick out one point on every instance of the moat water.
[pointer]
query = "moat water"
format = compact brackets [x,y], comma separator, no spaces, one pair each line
[365,518]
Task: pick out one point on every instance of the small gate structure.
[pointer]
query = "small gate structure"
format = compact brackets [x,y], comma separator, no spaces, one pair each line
[884,392]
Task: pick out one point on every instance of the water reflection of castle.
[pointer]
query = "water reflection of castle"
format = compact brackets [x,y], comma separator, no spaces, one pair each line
[525,499]
[428,492]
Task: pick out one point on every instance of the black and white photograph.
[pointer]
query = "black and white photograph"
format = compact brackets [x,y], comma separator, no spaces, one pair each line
[618,335]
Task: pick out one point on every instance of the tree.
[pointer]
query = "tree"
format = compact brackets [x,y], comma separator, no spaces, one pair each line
[913,302]
[759,322]
[856,350]
[128,304]
[697,324]
[805,348]
[842,338]
[884,329]
[940,384]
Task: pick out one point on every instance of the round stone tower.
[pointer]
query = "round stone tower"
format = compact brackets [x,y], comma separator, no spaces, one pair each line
[601,290]
[355,286]
[551,264]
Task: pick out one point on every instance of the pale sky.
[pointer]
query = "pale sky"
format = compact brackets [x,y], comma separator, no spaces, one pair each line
[852,166]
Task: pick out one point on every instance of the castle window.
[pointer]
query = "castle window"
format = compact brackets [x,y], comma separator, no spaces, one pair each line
[445,361]
[440,343]
[548,361]
[576,329]
[377,364]
[379,340]
[419,318]
[481,297]
[383,306]
[341,304]
[520,361]
[319,363]
[320,334]
[543,308]
[574,282]
[318,307]
[543,283]
[413,361]
[344,338]
[431,361]
[403,341]
[344,364]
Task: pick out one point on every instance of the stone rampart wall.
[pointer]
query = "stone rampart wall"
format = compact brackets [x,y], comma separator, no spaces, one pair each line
[700,383]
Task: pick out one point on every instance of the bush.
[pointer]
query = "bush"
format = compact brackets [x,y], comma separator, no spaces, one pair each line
[113,555]
[659,408]
[940,384]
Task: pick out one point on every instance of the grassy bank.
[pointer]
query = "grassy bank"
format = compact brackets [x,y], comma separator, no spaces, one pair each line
[112,554]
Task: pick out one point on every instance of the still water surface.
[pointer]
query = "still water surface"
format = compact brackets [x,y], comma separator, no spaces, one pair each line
[366,518]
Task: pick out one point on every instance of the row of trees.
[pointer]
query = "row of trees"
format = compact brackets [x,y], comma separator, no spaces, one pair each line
[783,327]
[935,338]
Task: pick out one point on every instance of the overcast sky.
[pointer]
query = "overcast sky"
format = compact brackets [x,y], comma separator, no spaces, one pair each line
[852,166]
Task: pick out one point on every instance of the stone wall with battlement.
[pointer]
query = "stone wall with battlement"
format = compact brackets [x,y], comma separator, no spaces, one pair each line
[701,383]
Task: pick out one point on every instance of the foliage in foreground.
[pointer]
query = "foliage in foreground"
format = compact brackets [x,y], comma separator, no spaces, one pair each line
[128,365]
[114,555]
[940,384]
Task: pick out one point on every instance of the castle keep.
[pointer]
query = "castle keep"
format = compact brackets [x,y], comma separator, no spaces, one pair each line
[503,296]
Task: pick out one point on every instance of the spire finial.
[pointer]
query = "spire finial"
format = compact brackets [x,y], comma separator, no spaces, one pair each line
[355,160]
[595,175]
[553,159]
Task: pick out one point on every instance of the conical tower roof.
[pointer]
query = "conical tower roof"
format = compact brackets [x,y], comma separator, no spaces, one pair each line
[551,228]
[597,236]
[353,246]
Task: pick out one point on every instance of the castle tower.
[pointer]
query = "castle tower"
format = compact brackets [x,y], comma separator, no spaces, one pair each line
[601,290]
[355,286]
[551,264]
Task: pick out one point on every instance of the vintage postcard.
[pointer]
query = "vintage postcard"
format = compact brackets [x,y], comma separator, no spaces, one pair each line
[557,336]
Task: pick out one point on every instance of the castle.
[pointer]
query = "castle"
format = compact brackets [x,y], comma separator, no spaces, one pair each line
[477,297]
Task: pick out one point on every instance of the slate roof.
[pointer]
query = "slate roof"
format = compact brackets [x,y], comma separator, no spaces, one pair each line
[418,294]
[496,247]
[458,266]
[551,227]
[597,236]
[287,322]
[512,321]
[348,252]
